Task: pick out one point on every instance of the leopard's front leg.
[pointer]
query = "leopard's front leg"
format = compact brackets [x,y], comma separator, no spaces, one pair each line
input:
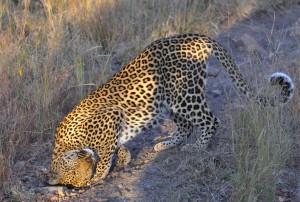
[103,139]
[102,168]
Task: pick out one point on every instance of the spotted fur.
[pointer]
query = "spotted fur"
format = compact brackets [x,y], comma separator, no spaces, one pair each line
[166,80]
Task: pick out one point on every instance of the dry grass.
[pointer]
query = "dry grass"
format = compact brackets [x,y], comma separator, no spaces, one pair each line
[264,139]
[53,52]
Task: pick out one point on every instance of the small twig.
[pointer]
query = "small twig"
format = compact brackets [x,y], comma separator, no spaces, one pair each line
[86,84]
[95,47]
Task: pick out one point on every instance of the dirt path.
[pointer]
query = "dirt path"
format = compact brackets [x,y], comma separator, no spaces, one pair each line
[177,176]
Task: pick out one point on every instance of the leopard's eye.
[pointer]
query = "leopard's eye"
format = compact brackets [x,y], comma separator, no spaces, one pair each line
[83,153]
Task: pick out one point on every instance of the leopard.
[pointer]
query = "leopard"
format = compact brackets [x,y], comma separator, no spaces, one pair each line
[166,80]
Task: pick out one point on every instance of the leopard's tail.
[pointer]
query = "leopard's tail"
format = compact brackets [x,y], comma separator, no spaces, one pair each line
[278,78]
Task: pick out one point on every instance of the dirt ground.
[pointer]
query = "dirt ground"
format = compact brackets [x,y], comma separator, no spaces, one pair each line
[174,175]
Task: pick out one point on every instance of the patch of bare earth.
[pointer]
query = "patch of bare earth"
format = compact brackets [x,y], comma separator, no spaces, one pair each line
[179,176]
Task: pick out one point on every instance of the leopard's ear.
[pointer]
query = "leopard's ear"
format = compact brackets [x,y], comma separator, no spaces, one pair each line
[54,179]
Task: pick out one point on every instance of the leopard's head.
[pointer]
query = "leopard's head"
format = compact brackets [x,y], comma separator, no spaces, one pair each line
[75,168]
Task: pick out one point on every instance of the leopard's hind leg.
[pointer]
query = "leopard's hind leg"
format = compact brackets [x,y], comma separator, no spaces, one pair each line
[184,129]
[194,116]
[105,135]
[205,123]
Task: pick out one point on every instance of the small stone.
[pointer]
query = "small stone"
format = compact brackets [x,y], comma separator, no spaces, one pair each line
[98,187]
[72,194]
[60,192]
[81,191]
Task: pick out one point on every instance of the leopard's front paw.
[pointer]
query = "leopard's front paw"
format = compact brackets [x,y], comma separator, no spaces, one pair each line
[95,181]
[160,146]
[163,137]
[192,148]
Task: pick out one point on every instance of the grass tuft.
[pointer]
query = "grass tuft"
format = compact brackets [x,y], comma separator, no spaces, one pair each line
[263,140]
